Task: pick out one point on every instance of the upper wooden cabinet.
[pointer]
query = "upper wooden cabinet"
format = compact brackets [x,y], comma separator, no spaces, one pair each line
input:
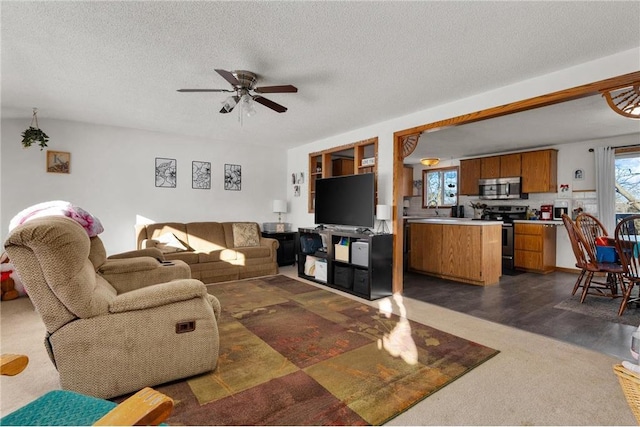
[510,165]
[407,181]
[469,176]
[540,171]
[490,167]
[351,159]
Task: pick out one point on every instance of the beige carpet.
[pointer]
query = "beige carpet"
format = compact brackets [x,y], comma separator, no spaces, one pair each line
[533,381]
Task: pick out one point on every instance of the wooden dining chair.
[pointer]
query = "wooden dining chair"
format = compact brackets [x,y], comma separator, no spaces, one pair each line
[627,240]
[578,251]
[588,230]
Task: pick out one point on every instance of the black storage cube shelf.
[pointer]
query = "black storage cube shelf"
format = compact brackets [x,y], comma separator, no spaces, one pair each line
[343,276]
[361,281]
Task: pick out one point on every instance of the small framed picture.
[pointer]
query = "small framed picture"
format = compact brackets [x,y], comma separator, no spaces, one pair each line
[166,172]
[58,161]
[578,175]
[232,177]
[201,175]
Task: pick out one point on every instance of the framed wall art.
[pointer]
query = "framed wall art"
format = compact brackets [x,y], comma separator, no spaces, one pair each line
[201,175]
[58,161]
[166,172]
[232,177]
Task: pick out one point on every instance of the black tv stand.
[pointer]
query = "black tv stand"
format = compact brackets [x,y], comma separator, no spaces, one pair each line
[372,280]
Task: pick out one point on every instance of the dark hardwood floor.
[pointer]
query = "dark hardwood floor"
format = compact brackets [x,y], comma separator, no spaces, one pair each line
[526,301]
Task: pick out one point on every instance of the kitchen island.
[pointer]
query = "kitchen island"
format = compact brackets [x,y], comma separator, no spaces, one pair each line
[458,249]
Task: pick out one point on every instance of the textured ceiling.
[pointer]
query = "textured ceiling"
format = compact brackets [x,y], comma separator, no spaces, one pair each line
[354,63]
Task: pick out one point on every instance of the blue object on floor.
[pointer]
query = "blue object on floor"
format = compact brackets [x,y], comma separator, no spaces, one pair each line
[60,408]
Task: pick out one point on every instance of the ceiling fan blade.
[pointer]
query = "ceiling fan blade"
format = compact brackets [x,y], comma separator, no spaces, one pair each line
[229,77]
[205,90]
[277,89]
[270,104]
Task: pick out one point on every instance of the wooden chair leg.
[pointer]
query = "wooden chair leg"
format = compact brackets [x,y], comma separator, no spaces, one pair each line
[625,298]
[586,286]
[577,285]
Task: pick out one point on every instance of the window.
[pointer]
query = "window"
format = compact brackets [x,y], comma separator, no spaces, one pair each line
[627,170]
[440,187]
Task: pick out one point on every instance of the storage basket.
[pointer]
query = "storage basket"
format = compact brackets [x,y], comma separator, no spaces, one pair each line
[630,383]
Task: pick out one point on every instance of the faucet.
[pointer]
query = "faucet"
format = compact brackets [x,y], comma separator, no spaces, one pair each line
[434,203]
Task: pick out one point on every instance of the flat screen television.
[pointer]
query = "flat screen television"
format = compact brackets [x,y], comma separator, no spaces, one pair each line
[347,200]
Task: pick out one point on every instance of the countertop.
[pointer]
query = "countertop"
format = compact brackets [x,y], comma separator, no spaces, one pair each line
[453,221]
[470,221]
[539,221]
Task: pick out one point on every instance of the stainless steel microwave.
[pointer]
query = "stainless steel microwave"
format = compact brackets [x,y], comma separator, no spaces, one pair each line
[501,188]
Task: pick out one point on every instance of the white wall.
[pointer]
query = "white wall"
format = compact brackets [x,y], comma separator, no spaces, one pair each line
[112,176]
[603,68]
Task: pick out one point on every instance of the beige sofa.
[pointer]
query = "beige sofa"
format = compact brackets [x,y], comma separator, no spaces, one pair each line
[215,251]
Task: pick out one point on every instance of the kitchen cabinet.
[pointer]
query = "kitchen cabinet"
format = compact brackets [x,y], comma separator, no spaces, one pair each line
[425,251]
[342,167]
[469,176]
[540,171]
[510,165]
[407,181]
[535,247]
[463,251]
[490,167]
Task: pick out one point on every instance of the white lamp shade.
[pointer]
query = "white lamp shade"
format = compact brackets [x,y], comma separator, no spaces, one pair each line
[383,212]
[406,204]
[280,206]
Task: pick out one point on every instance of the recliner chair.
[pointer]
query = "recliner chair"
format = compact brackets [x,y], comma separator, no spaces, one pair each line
[115,325]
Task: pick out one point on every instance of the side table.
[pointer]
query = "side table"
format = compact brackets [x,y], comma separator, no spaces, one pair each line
[287,249]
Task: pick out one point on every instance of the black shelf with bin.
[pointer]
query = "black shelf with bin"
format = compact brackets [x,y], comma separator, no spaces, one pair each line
[371,281]
[287,249]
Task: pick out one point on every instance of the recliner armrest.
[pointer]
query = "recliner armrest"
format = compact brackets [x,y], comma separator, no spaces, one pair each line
[158,295]
[128,265]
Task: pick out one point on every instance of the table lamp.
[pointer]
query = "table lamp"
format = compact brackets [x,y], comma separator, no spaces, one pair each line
[383,213]
[280,207]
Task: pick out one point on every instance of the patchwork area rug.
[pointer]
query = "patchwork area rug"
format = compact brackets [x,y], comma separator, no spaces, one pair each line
[602,308]
[294,354]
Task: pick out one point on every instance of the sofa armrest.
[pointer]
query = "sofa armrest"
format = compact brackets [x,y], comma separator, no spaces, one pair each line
[274,244]
[149,243]
[149,251]
[158,295]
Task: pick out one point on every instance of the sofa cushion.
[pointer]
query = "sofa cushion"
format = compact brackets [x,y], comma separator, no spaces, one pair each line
[253,252]
[206,237]
[245,234]
[188,257]
[169,243]
[177,229]
[220,255]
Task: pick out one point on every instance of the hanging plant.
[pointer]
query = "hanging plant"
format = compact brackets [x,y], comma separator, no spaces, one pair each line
[34,134]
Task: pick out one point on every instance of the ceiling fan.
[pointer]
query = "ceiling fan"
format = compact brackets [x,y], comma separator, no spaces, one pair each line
[243,83]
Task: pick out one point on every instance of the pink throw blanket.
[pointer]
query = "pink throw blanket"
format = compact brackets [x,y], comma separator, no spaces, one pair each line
[60,208]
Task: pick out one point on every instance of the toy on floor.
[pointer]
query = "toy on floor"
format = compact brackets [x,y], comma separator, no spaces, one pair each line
[10,283]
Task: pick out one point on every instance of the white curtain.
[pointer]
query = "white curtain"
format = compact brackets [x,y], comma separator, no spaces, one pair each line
[606,187]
